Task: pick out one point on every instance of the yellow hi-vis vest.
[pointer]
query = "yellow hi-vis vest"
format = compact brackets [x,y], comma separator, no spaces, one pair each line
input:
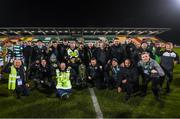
[12,78]
[72,53]
[63,80]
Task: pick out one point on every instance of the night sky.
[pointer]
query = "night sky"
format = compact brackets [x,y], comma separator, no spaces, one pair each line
[93,13]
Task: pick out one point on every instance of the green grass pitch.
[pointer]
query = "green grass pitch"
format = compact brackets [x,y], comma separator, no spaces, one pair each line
[80,104]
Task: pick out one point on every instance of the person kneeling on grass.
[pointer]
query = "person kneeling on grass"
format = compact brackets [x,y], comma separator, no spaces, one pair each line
[95,74]
[17,76]
[64,76]
[114,74]
[150,71]
[129,79]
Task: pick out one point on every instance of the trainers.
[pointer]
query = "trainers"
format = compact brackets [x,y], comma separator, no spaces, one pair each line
[158,98]
[142,95]
[65,96]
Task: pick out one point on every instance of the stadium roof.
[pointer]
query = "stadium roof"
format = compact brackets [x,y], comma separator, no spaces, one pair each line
[80,31]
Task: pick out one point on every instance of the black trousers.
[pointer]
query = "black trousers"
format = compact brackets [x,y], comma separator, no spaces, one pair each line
[97,82]
[112,83]
[168,77]
[129,88]
[21,90]
[156,81]
[91,82]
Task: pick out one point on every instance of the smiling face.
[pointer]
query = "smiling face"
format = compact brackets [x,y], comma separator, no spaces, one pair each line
[55,45]
[65,42]
[114,63]
[17,63]
[102,45]
[90,44]
[62,66]
[116,42]
[43,62]
[145,57]
[129,40]
[169,46]
[127,63]
[138,45]
[144,45]
[72,45]
[93,62]
[81,46]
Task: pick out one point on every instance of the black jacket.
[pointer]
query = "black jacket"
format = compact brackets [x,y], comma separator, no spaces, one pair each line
[130,74]
[27,52]
[38,53]
[117,52]
[96,72]
[130,49]
[45,72]
[34,71]
[55,52]
[102,56]
[62,51]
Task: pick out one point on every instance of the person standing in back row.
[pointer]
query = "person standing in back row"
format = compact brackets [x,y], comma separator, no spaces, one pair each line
[168,59]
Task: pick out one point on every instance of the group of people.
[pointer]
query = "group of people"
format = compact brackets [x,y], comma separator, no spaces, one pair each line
[61,66]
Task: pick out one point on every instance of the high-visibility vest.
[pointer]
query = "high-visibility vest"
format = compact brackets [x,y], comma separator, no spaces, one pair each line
[63,80]
[73,53]
[12,78]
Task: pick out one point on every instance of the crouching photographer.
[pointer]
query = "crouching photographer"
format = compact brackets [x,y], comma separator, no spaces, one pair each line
[45,75]
[33,74]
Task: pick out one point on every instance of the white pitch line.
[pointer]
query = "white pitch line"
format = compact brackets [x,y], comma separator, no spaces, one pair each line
[98,111]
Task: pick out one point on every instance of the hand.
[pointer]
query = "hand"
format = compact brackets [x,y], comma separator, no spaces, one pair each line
[175,62]
[109,61]
[50,49]
[89,77]
[122,64]
[124,81]
[27,85]
[11,61]
[100,67]
[119,89]
[153,71]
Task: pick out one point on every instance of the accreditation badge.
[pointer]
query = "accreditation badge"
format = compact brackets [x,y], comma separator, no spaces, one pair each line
[19,81]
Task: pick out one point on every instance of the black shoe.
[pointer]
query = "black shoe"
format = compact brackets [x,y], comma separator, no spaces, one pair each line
[127,97]
[143,95]
[158,98]
[168,93]
[18,97]
[65,97]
